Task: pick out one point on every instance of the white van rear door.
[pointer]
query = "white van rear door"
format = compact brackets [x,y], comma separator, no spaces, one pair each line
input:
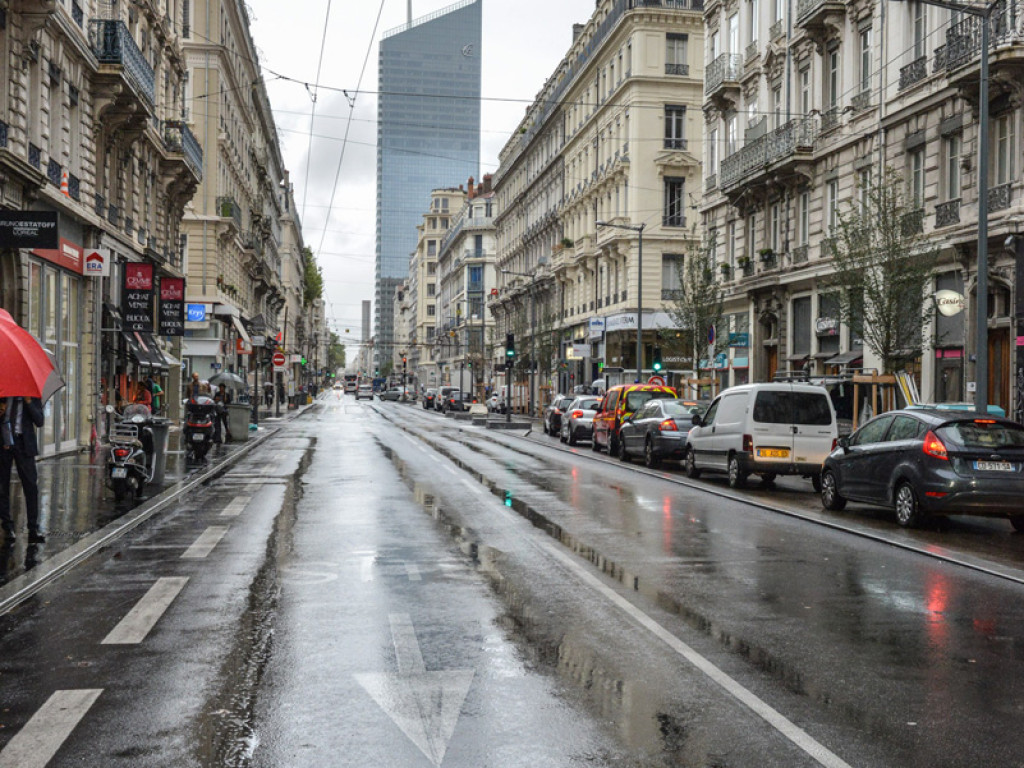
[814,426]
[772,424]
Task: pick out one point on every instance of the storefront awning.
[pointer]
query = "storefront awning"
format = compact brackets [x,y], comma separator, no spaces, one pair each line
[798,358]
[845,358]
[242,333]
[156,355]
[143,349]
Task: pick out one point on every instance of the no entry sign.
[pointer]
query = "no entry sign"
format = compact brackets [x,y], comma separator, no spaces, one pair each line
[278,360]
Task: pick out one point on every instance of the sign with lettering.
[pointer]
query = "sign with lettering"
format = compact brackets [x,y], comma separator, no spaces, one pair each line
[138,304]
[949,303]
[97,263]
[28,229]
[172,306]
[67,255]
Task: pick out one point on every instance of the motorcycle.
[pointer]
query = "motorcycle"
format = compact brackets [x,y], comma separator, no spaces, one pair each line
[200,413]
[130,460]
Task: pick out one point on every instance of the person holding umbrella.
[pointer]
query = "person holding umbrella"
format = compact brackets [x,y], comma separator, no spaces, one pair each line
[28,378]
[19,417]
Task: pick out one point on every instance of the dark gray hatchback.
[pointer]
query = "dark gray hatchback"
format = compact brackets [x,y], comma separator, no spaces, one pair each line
[930,462]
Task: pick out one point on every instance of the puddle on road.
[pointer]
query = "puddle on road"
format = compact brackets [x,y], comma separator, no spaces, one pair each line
[658,727]
[226,735]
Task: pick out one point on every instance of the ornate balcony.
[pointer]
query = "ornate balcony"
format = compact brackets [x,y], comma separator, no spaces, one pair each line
[723,75]
[962,53]
[778,29]
[829,119]
[816,16]
[913,223]
[776,154]
[677,69]
[800,254]
[947,213]
[999,197]
[914,72]
[179,141]
[113,45]
[861,101]
[227,208]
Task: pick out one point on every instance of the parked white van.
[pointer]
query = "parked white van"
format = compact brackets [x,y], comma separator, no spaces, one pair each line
[766,429]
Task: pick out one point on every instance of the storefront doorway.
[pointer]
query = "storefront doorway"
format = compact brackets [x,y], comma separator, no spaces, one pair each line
[999,368]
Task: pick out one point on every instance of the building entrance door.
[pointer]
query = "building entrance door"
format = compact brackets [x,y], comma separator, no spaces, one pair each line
[999,368]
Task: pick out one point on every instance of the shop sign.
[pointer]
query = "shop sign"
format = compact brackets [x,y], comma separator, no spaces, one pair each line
[949,303]
[721,361]
[28,229]
[172,306]
[826,326]
[596,327]
[138,297]
[620,322]
[259,341]
[739,339]
[577,351]
[67,255]
[241,347]
[196,313]
[97,263]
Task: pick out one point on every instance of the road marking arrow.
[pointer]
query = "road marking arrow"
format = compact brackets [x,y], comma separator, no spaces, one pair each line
[425,705]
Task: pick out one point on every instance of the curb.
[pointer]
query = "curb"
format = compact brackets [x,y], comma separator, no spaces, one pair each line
[19,589]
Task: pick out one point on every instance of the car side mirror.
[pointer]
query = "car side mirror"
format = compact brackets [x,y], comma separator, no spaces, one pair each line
[697,420]
[844,443]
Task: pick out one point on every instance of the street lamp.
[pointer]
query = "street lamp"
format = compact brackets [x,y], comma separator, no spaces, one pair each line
[983,12]
[639,229]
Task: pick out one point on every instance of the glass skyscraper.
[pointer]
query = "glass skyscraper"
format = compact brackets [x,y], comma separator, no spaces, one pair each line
[428,136]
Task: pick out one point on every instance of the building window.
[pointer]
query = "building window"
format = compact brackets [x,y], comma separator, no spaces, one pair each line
[734,33]
[952,180]
[675,202]
[432,269]
[920,27]
[675,127]
[802,326]
[186,17]
[675,55]
[775,227]
[865,60]
[751,244]
[431,310]
[713,151]
[832,83]
[915,178]
[805,91]
[1002,154]
[431,247]
[431,289]
[778,110]
[827,328]
[864,190]
[433,222]
[731,133]
[671,270]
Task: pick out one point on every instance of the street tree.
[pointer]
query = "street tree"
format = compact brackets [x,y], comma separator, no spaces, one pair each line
[698,303]
[313,279]
[883,264]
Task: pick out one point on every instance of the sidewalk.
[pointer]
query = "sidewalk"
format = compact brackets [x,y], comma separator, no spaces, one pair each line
[75,504]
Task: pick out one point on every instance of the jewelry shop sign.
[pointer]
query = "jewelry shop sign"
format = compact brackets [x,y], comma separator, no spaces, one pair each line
[138,307]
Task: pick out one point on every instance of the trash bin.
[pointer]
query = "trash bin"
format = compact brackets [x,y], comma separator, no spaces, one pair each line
[161,431]
[238,421]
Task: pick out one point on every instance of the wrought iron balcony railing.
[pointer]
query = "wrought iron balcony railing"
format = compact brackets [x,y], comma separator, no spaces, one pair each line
[726,68]
[677,69]
[800,254]
[178,138]
[947,213]
[914,72]
[963,38]
[999,197]
[227,208]
[112,43]
[3,133]
[861,101]
[913,222]
[829,119]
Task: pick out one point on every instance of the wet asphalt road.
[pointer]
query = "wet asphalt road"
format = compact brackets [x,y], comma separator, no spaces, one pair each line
[381,586]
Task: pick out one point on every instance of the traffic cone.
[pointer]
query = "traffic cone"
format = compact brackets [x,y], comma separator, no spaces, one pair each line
[64,184]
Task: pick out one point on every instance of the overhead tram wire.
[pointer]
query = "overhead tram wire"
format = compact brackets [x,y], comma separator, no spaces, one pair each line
[312,114]
[348,124]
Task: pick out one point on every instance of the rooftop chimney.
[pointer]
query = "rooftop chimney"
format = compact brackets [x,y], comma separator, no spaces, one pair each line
[487,184]
[577,30]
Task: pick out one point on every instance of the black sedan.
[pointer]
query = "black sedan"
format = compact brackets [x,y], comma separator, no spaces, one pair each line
[659,430]
[553,413]
[930,462]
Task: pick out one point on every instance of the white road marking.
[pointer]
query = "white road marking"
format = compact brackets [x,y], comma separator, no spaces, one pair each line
[204,545]
[137,623]
[236,506]
[413,571]
[425,705]
[366,568]
[772,716]
[38,741]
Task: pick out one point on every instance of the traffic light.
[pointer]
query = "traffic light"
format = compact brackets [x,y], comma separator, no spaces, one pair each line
[510,345]
[656,365]
[403,361]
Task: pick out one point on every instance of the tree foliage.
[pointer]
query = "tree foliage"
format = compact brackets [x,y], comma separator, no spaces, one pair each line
[698,303]
[336,354]
[312,279]
[882,266]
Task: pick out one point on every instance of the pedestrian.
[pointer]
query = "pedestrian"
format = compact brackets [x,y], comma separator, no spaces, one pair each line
[143,396]
[193,388]
[268,394]
[222,398]
[19,417]
[156,391]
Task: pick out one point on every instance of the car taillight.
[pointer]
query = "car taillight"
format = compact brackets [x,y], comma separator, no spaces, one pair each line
[835,442]
[122,453]
[748,444]
[935,447]
[576,415]
[668,426]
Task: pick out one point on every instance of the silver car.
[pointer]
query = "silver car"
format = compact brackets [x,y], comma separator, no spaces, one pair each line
[578,419]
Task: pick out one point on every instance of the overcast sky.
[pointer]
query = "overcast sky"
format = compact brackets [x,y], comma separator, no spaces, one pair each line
[523,41]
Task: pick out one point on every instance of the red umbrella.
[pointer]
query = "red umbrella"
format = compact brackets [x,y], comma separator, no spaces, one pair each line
[26,369]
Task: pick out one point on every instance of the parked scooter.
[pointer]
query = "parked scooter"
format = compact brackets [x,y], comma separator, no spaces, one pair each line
[130,461]
[200,413]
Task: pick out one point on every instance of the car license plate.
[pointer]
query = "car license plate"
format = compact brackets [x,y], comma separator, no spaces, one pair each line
[119,472]
[773,453]
[995,466]
[197,437]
